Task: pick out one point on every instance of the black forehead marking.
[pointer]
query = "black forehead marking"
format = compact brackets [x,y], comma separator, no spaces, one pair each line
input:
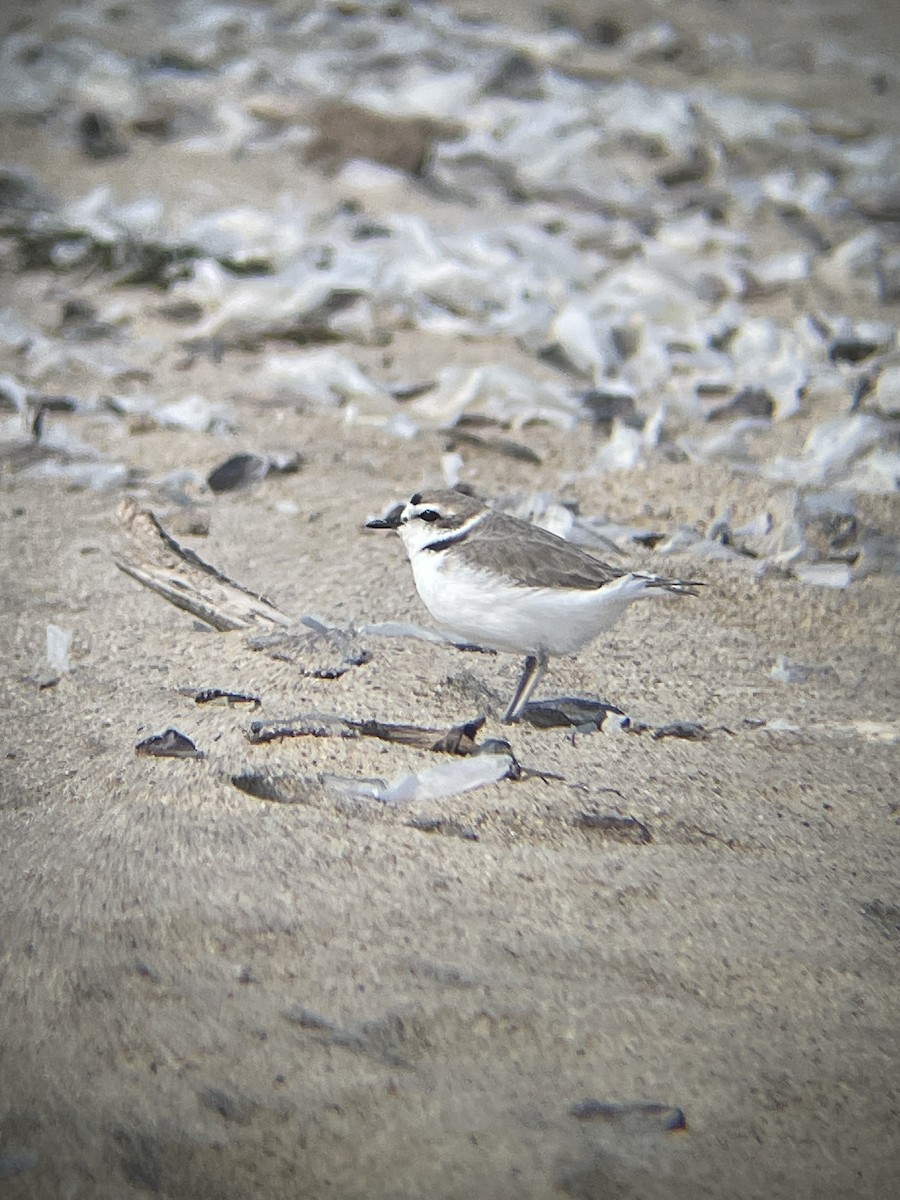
[416,499]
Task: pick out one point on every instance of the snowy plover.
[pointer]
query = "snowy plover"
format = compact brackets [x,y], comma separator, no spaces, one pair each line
[507,585]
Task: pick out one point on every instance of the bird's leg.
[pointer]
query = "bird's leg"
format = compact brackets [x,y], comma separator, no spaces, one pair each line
[535,666]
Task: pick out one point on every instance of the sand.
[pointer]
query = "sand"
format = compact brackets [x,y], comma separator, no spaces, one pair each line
[205,994]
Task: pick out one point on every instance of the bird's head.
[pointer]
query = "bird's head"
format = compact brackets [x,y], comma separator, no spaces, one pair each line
[428,517]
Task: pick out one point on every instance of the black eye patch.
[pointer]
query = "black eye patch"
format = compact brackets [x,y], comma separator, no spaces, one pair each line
[428,515]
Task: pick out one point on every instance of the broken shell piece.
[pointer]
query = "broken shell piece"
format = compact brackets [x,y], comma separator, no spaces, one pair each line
[56,663]
[171,743]
[247,237]
[665,1116]
[13,396]
[242,471]
[197,414]
[238,473]
[505,395]
[627,447]
[778,271]
[576,336]
[324,377]
[579,711]
[59,643]
[885,396]
[829,452]
[193,413]
[824,574]
[448,779]
[218,697]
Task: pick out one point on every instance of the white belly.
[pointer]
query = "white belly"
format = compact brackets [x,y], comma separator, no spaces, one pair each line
[491,612]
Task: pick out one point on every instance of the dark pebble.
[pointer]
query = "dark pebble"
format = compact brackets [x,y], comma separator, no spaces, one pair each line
[99,138]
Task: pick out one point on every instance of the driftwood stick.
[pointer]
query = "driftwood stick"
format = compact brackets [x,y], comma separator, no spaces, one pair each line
[181,576]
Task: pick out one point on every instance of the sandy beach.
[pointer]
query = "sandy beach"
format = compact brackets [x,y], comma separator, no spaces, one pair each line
[663,963]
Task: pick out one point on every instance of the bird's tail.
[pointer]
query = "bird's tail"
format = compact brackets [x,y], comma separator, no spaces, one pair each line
[679,587]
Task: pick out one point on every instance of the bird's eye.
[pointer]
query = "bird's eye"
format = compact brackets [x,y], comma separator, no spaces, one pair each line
[428,515]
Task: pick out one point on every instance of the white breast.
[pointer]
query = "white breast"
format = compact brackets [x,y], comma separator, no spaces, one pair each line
[491,612]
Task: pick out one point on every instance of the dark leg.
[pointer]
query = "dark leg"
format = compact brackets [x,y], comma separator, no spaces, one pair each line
[535,665]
